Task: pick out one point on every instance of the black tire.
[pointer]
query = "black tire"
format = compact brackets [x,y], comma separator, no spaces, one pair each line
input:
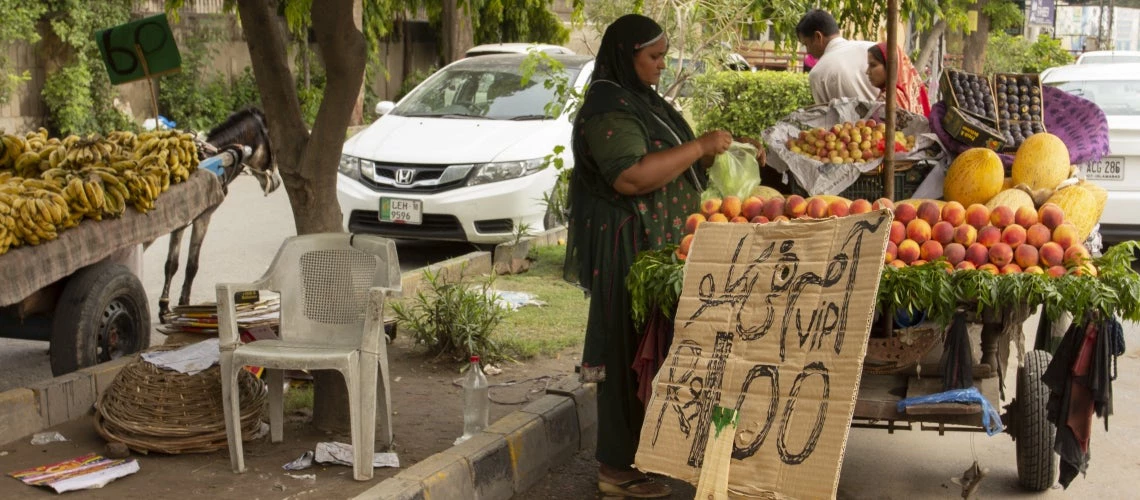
[1036,461]
[101,315]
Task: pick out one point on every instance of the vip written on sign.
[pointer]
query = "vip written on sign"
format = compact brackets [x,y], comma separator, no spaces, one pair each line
[773,322]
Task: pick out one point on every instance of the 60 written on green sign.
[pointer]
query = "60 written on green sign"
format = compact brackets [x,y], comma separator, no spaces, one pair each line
[139,49]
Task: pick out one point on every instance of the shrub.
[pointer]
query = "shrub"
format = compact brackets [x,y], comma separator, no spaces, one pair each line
[455,319]
[746,103]
[1014,54]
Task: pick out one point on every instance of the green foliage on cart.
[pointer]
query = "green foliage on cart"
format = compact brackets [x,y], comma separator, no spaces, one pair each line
[656,280]
[746,103]
[1015,54]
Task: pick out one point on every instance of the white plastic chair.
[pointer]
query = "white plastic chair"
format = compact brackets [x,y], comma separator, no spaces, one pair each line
[332,290]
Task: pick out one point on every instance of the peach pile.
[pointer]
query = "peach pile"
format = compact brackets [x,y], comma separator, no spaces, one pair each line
[847,142]
[1000,241]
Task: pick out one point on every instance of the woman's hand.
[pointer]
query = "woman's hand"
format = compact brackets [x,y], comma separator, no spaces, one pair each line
[761,153]
[714,142]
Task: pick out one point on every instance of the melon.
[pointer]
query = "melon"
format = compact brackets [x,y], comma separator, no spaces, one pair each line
[1080,207]
[1041,162]
[765,192]
[975,176]
[1012,198]
[1098,193]
[1008,183]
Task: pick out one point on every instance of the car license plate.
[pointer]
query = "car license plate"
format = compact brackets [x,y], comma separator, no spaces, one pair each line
[401,211]
[1109,168]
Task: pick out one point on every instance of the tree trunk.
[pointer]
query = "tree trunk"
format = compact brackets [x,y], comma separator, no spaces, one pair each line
[974,50]
[457,31]
[358,21]
[929,44]
[308,163]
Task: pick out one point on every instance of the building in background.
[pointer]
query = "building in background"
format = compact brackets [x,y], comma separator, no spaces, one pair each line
[1078,28]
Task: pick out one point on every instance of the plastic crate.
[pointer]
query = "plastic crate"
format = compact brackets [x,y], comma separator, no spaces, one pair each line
[869,186]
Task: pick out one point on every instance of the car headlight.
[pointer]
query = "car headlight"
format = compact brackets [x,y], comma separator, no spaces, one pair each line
[505,170]
[350,166]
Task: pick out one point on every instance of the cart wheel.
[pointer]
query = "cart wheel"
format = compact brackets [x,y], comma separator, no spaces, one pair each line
[101,315]
[1036,462]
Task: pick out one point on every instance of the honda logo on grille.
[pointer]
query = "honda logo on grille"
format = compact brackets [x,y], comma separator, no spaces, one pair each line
[404,176]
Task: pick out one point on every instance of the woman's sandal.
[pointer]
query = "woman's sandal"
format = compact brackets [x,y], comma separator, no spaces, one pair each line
[634,488]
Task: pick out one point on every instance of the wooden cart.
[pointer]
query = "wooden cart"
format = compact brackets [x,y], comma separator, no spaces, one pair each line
[82,291]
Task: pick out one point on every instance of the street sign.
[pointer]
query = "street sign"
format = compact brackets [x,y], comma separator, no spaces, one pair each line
[139,49]
[1042,12]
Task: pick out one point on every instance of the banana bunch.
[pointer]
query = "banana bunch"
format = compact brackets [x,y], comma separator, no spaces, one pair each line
[143,190]
[39,210]
[126,140]
[85,197]
[112,186]
[174,149]
[8,225]
[91,150]
[14,146]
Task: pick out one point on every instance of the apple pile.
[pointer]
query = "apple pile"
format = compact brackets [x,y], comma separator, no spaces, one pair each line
[1001,241]
[848,142]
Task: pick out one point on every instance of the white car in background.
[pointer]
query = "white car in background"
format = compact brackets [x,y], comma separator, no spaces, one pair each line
[516,48]
[462,157]
[1109,57]
[1115,88]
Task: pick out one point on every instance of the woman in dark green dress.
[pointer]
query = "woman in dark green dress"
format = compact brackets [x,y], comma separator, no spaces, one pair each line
[638,173]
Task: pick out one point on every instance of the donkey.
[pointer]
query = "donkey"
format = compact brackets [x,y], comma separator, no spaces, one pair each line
[243,128]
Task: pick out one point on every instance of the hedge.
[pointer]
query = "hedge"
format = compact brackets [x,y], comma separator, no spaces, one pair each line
[746,103]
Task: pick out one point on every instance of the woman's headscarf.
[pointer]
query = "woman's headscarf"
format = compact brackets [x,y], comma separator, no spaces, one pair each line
[910,92]
[614,63]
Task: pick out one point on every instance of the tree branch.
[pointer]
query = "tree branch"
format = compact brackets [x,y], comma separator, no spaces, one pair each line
[343,52]
[929,44]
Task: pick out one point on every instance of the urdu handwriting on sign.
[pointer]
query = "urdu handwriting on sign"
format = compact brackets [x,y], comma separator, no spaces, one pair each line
[693,408]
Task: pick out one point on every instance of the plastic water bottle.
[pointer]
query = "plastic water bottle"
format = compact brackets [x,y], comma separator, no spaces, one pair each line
[476,404]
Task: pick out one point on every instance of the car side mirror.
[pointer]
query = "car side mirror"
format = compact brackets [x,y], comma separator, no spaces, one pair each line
[384,107]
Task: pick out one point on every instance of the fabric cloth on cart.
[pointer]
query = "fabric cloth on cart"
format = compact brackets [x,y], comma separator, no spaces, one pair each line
[828,178]
[25,270]
[1077,121]
[1080,383]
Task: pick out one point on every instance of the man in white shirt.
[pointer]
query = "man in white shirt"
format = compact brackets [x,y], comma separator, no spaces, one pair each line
[842,67]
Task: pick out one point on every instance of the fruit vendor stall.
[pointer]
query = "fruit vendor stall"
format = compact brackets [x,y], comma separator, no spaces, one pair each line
[991,224]
[75,214]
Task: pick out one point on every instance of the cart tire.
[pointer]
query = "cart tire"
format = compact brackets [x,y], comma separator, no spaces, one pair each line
[101,315]
[1036,461]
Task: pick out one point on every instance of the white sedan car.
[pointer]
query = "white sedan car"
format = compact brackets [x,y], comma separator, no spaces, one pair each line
[1116,89]
[462,157]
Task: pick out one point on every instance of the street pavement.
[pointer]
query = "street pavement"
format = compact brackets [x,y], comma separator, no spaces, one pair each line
[243,237]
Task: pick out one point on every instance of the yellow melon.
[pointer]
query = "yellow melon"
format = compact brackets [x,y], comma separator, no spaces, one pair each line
[1080,207]
[765,192]
[975,176]
[1012,198]
[1099,194]
[1041,162]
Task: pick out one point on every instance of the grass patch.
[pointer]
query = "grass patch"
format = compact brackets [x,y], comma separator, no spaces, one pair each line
[531,331]
[299,397]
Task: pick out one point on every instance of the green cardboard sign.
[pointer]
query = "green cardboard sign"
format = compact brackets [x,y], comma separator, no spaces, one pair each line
[150,38]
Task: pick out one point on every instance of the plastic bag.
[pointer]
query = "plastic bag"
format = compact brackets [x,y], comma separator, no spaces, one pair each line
[991,420]
[734,172]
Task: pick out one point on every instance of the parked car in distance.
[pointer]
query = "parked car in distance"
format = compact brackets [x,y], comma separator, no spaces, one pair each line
[1115,88]
[516,48]
[462,157]
[1109,57]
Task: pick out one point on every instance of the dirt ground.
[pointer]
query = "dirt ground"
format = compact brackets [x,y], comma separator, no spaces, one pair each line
[428,417]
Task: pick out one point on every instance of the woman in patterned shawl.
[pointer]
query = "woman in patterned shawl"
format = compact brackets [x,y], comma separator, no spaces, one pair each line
[910,92]
[638,172]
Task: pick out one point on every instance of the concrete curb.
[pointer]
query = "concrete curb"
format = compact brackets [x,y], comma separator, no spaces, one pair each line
[509,457]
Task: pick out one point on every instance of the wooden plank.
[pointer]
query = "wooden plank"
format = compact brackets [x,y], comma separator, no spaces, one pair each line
[879,396]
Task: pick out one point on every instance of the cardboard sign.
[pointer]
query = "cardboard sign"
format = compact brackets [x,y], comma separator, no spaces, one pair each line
[139,49]
[773,322]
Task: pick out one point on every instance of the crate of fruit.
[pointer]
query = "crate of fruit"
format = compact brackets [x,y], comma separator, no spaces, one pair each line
[1020,107]
[970,93]
[831,148]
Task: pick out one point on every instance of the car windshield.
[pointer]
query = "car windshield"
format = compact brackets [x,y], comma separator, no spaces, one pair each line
[1110,59]
[1115,97]
[484,90]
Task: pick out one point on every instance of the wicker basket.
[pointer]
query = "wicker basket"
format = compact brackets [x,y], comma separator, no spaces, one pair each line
[153,409]
[901,351]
